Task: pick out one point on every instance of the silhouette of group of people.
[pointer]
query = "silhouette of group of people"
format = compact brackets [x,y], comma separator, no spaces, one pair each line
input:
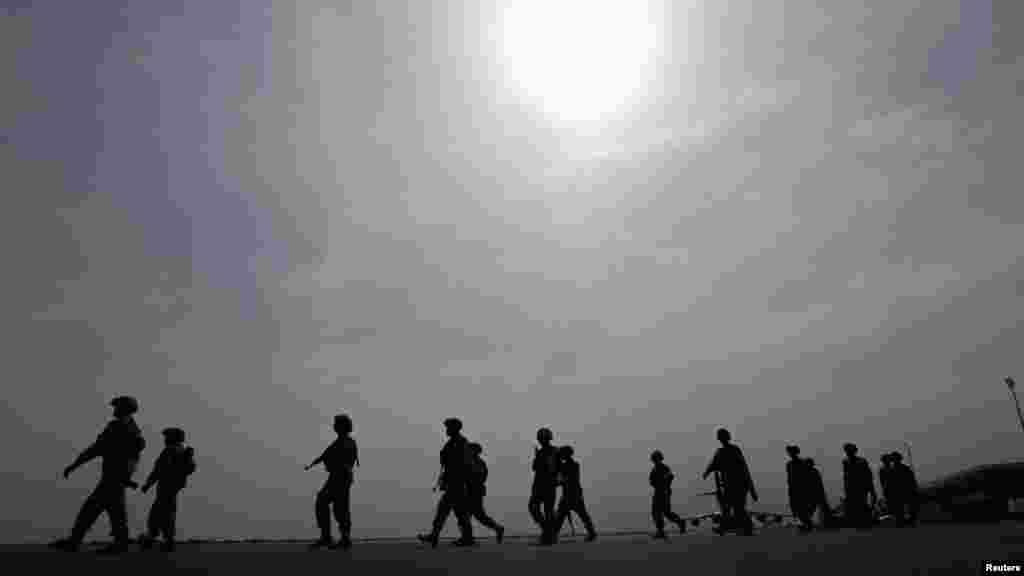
[462,483]
[120,446]
[860,500]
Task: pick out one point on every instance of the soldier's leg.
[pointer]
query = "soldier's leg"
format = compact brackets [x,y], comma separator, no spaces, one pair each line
[672,516]
[534,507]
[343,510]
[803,512]
[323,513]
[87,514]
[558,519]
[154,520]
[477,511]
[580,508]
[117,511]
[461,506]
[551,515]
[444,507]
[725,507]
[913,507]
[741,517]
[171,517]
[658,514]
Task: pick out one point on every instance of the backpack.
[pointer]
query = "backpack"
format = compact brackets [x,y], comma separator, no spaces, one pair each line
[183,463]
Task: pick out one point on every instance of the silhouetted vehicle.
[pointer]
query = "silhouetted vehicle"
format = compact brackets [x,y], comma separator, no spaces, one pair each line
[979,493]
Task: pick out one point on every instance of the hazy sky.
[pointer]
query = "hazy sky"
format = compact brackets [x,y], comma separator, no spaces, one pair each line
[631,224]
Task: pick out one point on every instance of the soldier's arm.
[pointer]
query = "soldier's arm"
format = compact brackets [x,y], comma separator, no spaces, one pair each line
[93,451]
[712,466]
[318,460]
[355,452]
[869,476]
[154,474]
[750,477]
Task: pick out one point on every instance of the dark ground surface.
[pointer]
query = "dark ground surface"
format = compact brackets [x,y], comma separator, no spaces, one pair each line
[928,549]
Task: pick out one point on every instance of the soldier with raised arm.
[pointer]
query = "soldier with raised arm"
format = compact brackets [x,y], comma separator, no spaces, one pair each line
[119,446]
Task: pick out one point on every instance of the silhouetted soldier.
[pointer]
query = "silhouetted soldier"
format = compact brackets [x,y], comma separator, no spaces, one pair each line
[478,489]
[572,496]
[905,488]
[340,459]
[892,504]
[661,503]
[544,490]
[737,483]
[170,472]
[797,482]
[858,485]
[119,445]
[816,496]
[454,482]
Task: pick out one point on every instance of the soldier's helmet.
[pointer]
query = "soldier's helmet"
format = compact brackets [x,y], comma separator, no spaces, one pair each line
[475,448]
[850,448]
[657,456]
[453,424]
[174,435]
[126,404]
[565,451]
[723,435]
[792,450]
[544,435]
[343,423]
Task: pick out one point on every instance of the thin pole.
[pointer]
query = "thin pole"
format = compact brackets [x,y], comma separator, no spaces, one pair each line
[1012,385]
[1016,401]
[910,455]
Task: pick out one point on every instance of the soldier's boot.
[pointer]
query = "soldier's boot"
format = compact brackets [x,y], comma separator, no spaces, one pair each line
[113,549]
[499,533]
[65,545]
[325,541]
[344,543]
[429,539]
[660,535]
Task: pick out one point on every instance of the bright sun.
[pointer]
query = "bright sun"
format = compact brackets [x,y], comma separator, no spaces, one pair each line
[582,63]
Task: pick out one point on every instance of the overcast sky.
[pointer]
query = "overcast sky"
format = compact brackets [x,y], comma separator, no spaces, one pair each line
[800,221]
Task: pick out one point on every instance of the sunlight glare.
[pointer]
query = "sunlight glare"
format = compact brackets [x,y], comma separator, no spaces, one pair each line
[582,63]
